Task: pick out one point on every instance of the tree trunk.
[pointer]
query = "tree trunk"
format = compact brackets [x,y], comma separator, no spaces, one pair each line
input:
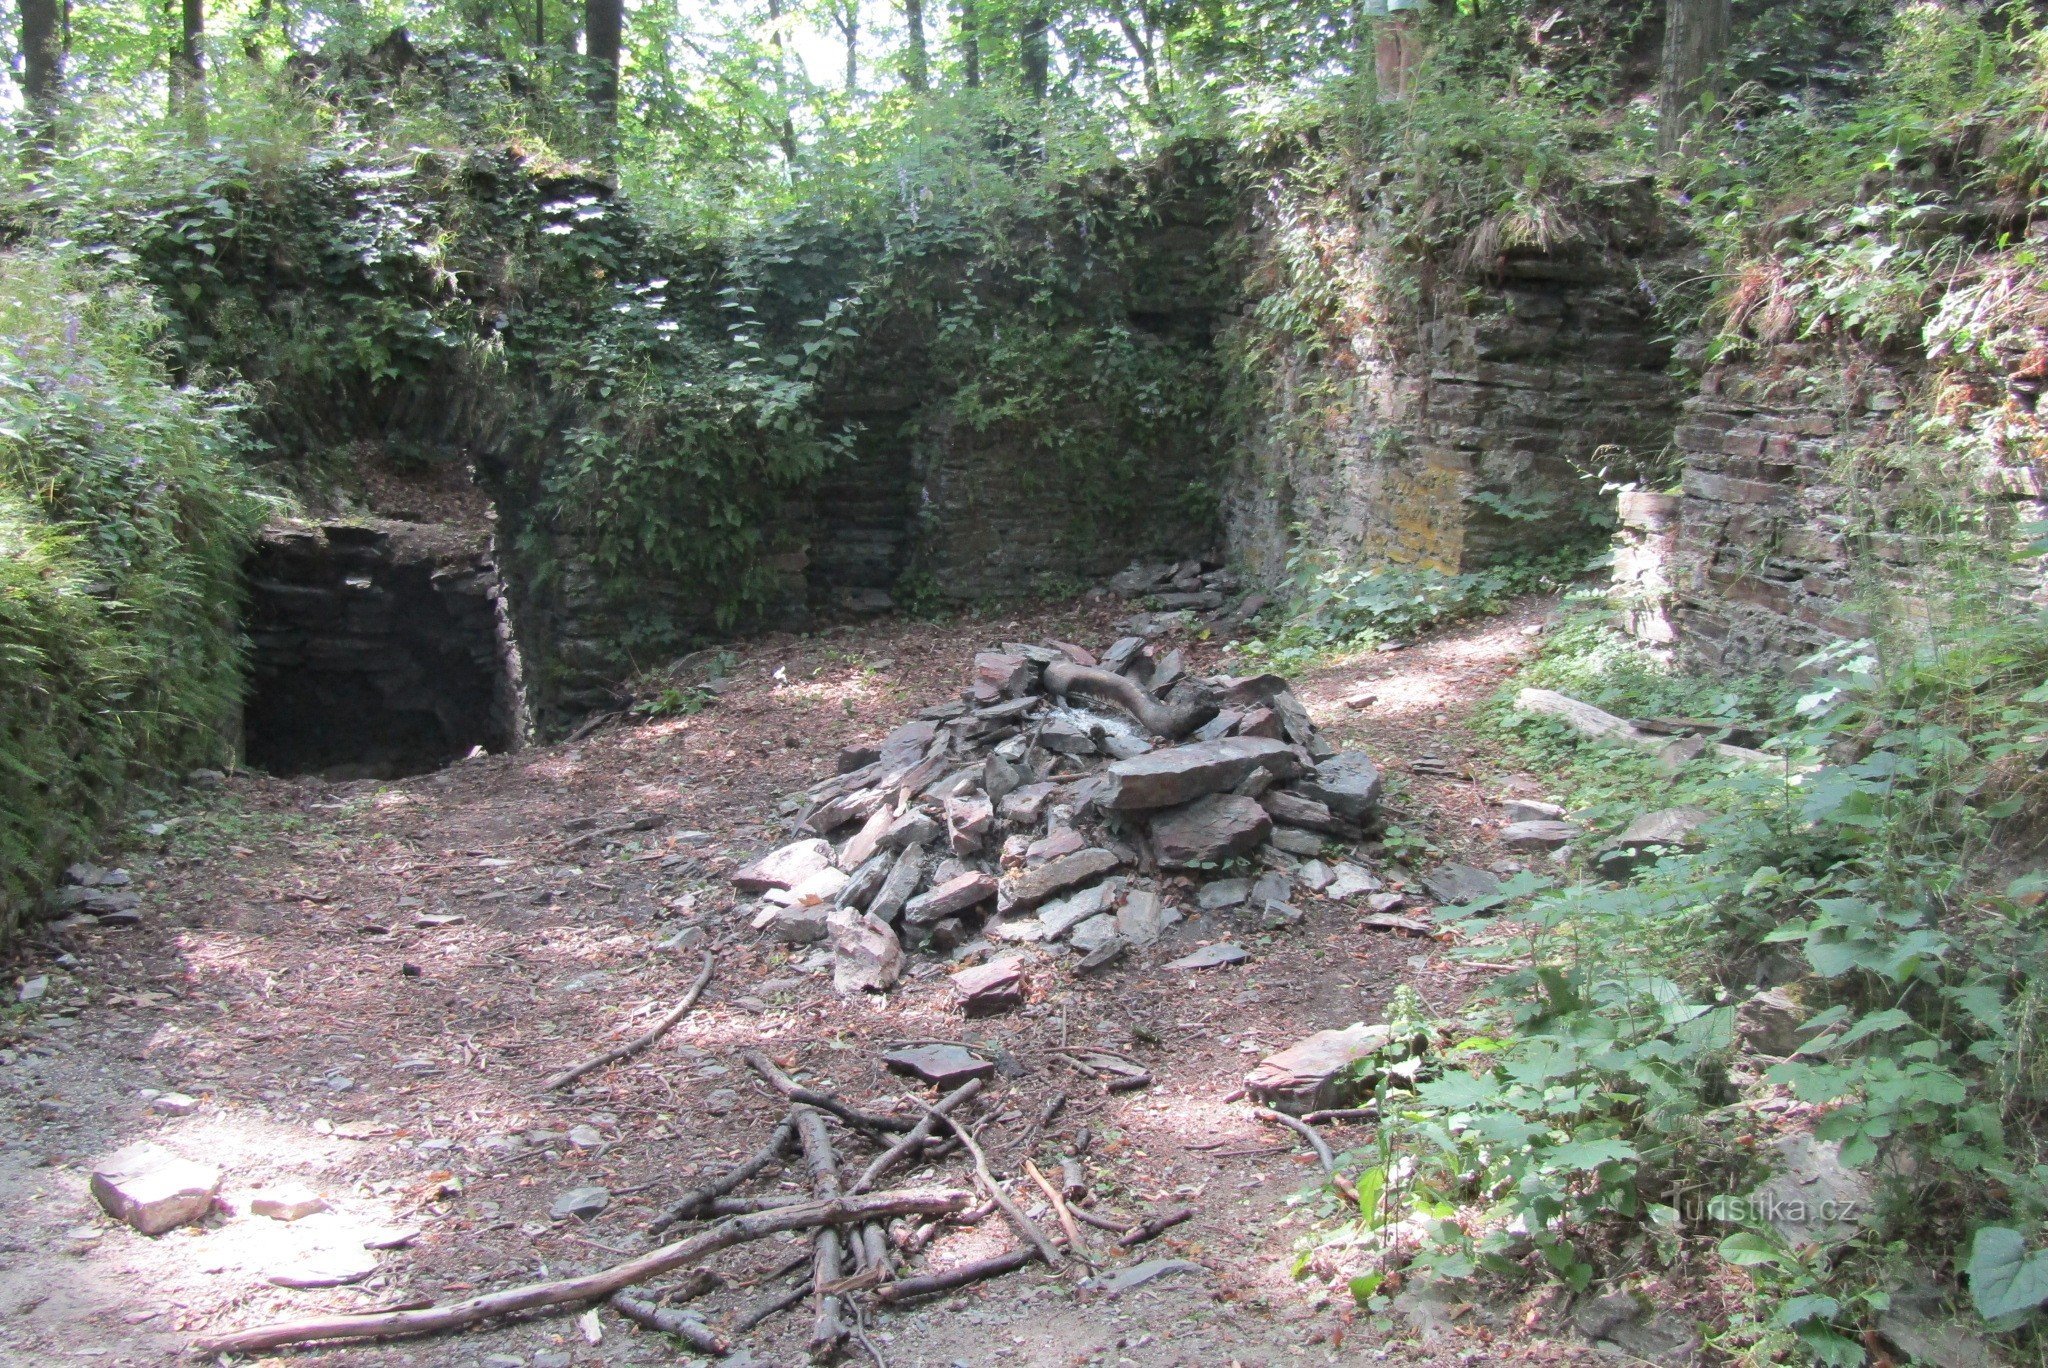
[604,23]
[847,17]
[785,136]
[916,68]
[540,24]
[1034,52]
[1695,39]
[188,69]
[970,45]
[1141,48]
[42,78]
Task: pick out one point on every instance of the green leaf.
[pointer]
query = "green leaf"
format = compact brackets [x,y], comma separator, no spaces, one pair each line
[2005,1278]
[1799,1310]
[1458,1091]
[1749,1250]
[1363,1286]
[1590,1154]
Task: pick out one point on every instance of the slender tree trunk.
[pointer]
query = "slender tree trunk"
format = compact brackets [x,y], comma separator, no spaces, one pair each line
[1034,52]
[1141,47]
[188,69]
[785,136]
[604,23]
[42,79]
[847,16]
[916,67]
[970,45]
[1695,40]
[540,24]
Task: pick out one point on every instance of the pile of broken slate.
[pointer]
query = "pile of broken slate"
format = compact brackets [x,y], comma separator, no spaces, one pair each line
[1054,803]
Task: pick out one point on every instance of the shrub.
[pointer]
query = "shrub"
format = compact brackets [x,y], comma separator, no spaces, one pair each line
[123,519]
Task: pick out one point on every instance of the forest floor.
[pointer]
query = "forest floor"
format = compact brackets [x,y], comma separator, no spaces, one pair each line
[363,984]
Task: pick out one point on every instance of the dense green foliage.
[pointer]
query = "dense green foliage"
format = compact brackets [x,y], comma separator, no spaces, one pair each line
[646,336]
[123,517]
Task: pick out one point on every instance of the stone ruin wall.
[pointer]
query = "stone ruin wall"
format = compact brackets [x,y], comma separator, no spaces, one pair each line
[1761,564]
[1770,553]
[1453,433]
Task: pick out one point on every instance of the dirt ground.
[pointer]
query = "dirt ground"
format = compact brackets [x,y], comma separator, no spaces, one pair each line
[362,985]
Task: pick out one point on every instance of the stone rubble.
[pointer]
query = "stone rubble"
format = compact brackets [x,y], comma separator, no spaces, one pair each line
[1042,809]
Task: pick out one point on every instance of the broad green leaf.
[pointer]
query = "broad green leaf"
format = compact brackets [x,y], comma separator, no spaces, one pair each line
[2005,1277]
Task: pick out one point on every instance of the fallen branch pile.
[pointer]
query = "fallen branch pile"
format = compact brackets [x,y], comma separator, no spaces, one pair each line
[860,1239]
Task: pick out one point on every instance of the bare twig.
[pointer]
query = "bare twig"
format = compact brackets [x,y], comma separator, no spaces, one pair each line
[681,1324]
[811,1097]
[691,1203]
[1023,1224]
[641,1041]
[1154,1226]
[772,1304]
[1052,1108]
[903,1289]
[590,1286]
[1316,1142]
[917,1136]
[1059,1206]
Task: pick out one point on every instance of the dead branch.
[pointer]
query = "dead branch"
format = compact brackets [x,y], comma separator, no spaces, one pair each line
[828,1331]
[681,1324]
[773,1304]
[1341,1114]
[641,1041]
[918,1135]
[811,1097]
[1046,1113]
[1601,725]
[903,1289]
[1161,719]
[1155,1226]
[590,1286]
[1316,1142]
[1059,1206]
[1023,1224]
[690,1203]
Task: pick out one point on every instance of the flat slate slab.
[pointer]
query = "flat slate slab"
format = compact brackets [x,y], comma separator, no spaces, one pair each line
[947,1066]
[1348,784]
[1541,834]
[1312,1073]
[1181,774]
[1459,883]
[990,988]
[783,868]
[153,1190]
[1209,831]
[1054,877]
[1212,956]
[954,896]
[1060,917]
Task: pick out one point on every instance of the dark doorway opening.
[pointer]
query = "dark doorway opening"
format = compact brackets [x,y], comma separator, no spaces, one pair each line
[376,651]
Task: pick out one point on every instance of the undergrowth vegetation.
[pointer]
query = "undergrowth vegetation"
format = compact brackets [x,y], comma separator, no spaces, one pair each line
[123,517]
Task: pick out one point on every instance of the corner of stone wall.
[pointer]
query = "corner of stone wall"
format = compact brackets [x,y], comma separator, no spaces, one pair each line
[1453,430]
